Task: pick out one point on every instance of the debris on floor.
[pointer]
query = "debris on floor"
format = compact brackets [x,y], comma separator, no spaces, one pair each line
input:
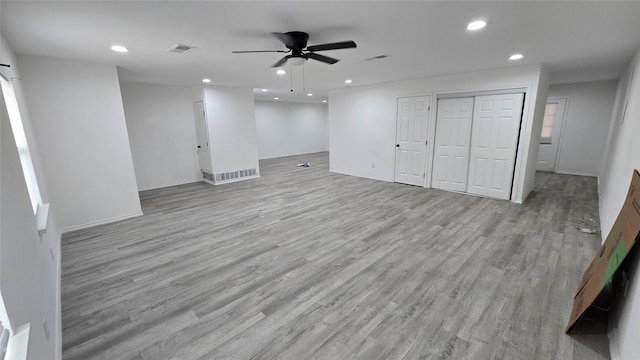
[588,230]
[587,226]
[306,164]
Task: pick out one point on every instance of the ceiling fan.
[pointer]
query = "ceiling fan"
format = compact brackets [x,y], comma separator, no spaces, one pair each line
[296,42]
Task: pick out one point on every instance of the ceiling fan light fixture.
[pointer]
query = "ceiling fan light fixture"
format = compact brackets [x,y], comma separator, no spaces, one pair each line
[281,72]
[296,60]
[206,80]
[516,57]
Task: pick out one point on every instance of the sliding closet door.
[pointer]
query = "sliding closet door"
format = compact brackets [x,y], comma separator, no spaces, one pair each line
[494,138]
[453,136]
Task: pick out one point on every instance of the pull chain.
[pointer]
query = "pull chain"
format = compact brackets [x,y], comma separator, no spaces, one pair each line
[291,77]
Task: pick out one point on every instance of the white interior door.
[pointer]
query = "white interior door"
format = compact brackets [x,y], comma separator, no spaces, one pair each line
[453,137]
[202,137]
[494,137]
[411,140]
[550,135]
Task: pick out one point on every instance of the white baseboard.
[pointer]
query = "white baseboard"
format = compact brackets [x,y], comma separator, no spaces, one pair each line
[58,335]
[100,222]
[575,173]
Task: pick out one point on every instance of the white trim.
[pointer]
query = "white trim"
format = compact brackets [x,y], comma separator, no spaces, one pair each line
[454,95]
[576,173]
[19,343]
[42,217]
[58,324]
[169,185]
[100,222]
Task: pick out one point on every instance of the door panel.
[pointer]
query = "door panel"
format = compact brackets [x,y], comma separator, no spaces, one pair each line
[548,151]
[202,136]
[494,138]
[453,135]
[411,137]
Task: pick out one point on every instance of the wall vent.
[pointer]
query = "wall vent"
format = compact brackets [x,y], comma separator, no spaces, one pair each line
[180,48]
[378,57]
[233,175]
[207,175]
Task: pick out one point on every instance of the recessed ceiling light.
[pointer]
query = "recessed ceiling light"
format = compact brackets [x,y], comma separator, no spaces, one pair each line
[119,48]
[324,101]
[348,81]
[276,98]
[205,80]
[309,94]
[476,25]
[516,57]
[264,90]
[281,72]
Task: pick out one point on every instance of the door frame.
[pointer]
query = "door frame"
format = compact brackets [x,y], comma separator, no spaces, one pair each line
[427,170]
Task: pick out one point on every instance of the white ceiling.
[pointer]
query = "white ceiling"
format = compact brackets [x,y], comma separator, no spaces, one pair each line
[577,40]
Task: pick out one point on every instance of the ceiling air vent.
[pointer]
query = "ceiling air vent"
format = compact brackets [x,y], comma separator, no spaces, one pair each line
[378,57]
[180,48]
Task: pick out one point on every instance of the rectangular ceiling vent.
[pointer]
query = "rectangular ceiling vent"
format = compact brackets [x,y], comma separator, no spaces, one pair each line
[180,48]
[378,57]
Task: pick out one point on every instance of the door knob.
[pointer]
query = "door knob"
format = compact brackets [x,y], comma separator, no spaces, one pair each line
[199,146]
[397,145]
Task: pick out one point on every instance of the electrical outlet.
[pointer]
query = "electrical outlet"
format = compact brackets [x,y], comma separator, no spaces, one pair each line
[45,327]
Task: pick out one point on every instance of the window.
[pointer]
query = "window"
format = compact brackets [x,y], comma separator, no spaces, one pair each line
[21,143]
[548,123]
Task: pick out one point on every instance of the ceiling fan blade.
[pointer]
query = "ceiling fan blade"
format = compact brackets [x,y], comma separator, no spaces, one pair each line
[281,61]
[286,39]
[332,46]
[257,51]
[322,58]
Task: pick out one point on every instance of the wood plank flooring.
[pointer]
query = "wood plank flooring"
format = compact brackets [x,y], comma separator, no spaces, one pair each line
[306,264]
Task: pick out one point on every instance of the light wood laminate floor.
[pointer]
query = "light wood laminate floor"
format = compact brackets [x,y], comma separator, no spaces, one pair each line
[307,264]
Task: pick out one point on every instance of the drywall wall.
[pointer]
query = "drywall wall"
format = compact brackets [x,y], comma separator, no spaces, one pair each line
[161,129]
[586,125]
[232,128]
[78,120]
[29,261]
[362,121]
[620,159]
[288,128]
[532,142]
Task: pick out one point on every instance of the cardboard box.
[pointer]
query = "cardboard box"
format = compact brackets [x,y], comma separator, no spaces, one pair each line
[622,237]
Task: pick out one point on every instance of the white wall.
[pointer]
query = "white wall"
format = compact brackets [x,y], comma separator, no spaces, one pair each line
[29,262]
[586,125]
[232,128]
[620,159]
[288,128]
[362,121]
[161,129]
[78,121]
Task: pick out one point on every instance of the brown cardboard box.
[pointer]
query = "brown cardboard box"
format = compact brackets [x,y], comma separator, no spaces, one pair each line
[622,237]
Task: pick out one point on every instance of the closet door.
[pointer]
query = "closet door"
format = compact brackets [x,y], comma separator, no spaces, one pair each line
[494,137]
[453,136]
